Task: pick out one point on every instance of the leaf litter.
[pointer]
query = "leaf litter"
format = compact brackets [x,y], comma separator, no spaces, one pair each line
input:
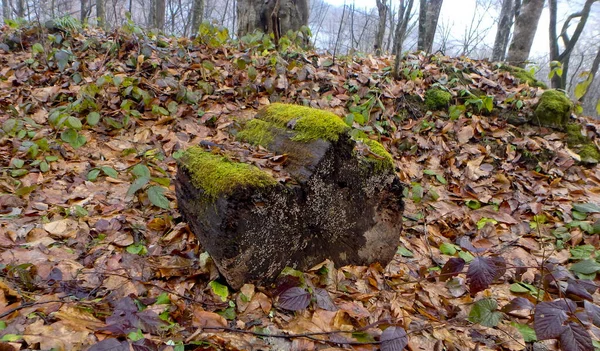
[94,254]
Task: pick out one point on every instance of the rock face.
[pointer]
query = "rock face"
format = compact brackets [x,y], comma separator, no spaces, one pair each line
[345,203]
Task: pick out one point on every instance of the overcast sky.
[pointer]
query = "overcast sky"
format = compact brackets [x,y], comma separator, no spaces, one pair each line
[458,13]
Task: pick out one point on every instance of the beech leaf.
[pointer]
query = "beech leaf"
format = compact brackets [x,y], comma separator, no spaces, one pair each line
[485,312]
[294,299]
[393,339]
[453,267]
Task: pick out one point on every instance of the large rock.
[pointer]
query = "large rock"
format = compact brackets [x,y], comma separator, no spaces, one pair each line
[344,203]
[553,110]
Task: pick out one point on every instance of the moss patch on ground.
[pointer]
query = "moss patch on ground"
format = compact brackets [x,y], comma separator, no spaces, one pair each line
[553,110]
[587,149]
[437,99]
[217,175]
[524,76]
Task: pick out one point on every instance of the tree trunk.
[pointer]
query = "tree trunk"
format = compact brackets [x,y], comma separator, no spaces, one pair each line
[382,9]
[344,203]
[21,8]
[5,10]
[257,15]
[525,27]
[560,82]
[101,13]
[505,23]
[197,15]
[404,12]
[429,13]
[83,11]
[159,15]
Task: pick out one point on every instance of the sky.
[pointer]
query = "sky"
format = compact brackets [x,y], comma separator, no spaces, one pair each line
[458,13]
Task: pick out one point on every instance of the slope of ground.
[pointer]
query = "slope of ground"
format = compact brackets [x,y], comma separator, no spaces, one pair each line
[498,218]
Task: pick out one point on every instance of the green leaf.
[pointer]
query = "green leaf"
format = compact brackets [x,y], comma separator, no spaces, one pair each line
[582,252]
[62,59]
[162,181]
[44,167]
[141,171]
[157,197]
[483,221]
[137,249]
[485,312]
[163,299]
[109,171]
[37,48]
[526,331]
[80,211]
[404,252]
[417,192]
[586,208]
[136,335]
[93,118]
[519,288]
[73,122]
[252,73]
[11,338]
[598,107]
[137,185]
[18,163]
[73,138]
[473,204]
[465,255]
[93,174]
[219,290]
[3,325]
[586,267]
[228,313]
[448,249]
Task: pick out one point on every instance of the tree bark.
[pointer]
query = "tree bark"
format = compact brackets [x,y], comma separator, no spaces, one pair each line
[21,8]
[382,9]
[404,12]
[197,15]
[5,10]
[505,23]
[101,13]
[429,13]
[526,25]
[159,15]
[560,82]
[257,15]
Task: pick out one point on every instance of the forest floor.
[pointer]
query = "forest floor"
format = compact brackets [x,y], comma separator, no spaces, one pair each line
[499,218]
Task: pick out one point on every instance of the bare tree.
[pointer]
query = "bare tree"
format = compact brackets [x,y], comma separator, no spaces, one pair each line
[505,22]
[526,23]
[404,14]
[159,14]
[568,42]
[271,16]
[429,13]
[382,10]
[197,15]
[101,13]
[5,10]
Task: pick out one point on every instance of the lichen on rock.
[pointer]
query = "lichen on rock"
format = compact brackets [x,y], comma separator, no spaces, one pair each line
[553,110]
[437,99]
[217,175]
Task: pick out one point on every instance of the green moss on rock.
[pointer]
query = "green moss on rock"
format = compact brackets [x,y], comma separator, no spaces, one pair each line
[553,110]
[589,154]
[574,136]
[524,76]
[437,99]
[217,175]
[309,123]
[257,132]
[377,155]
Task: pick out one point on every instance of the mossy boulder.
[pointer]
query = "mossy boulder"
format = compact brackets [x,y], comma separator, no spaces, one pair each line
[344,200]
[524,76]
[585,147]
[553,110]
[437,99]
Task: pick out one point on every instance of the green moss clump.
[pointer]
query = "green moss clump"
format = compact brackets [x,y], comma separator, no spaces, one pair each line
[524,76]
[256,132]
[553,110]
[309,123]
[437,99]
[589,154]
[218,175]
[574,136]
[381,159]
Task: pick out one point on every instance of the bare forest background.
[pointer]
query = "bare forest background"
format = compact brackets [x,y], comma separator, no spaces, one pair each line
[498,30]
